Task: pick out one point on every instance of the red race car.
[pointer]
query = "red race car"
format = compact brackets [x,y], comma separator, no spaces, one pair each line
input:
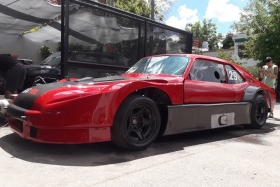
[160,95]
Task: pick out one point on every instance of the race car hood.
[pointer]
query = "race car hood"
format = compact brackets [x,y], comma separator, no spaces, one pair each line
[61,91]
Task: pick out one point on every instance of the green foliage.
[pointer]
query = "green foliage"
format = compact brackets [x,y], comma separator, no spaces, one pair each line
[32,30]
[138,7]
[226,55]
[206,31]
[58,46]
[255,71]
[45,51]
[260,21]
[36,28]
[228,41]
[198,52]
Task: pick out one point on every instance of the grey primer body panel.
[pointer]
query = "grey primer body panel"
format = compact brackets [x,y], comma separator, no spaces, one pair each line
[250,93]
[186,118]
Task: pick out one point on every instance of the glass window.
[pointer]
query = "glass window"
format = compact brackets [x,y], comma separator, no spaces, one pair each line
[172,65]
[204,70]
[233,76]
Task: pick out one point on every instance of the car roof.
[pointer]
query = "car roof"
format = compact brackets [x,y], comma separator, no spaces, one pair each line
[195,56]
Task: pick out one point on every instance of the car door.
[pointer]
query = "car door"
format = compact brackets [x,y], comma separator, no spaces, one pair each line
[207,83]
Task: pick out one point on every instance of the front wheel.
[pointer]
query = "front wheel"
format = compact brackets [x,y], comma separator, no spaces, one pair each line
[259,111]
[136,124]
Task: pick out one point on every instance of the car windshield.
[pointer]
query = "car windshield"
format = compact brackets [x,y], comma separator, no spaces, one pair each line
[172,65]
[52,60]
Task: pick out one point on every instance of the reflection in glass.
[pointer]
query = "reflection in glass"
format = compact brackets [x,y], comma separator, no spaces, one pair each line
[171,65]
[54,2]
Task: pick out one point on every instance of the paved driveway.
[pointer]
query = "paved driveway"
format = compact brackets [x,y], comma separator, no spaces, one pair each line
[224,157]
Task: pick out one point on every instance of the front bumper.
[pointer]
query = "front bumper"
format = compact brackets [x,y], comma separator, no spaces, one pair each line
[27,124]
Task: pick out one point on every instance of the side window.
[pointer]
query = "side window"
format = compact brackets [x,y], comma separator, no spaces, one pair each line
[233,76]
[204,70]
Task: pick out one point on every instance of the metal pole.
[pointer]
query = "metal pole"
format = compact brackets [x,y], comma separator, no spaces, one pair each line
[189,42]
[64,37]
[153,9]
[139,55]
[145,37]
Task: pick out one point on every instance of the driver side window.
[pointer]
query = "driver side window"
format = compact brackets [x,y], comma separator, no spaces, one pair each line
[204,70]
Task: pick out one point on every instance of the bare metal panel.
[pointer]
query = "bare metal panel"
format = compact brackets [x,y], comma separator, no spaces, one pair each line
[184,118]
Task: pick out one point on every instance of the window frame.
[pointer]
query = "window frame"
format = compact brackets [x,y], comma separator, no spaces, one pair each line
[210,61]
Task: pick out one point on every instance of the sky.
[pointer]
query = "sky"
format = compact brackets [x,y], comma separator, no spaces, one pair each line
[222,12]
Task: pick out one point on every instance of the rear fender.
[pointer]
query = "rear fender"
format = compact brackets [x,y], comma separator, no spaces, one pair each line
[252,91]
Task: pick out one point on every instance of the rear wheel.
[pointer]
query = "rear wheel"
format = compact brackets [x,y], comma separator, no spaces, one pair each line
[136,124]
[259,111]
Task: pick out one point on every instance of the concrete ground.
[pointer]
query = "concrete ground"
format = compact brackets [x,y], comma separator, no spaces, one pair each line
[224,157]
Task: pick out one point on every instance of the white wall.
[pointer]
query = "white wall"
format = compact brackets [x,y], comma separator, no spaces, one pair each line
[24,47]
[234,54]
[215,53]
[249,62]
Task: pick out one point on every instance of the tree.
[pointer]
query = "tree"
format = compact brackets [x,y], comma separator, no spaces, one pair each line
[260,21]
[162,7]
[207,31]
[228,41]
[226,55]
[138,7]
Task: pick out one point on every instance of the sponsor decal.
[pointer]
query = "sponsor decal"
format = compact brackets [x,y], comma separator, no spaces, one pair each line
[34,91]
[232,75]
[27,90]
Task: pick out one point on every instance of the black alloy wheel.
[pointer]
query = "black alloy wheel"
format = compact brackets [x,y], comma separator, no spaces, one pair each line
[259,112]
[136,123]
[141,123]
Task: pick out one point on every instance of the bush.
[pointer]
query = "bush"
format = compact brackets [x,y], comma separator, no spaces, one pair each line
[45,51]
[227,56]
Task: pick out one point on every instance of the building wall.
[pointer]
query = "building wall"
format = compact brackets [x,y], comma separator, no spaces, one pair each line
[238,41]
[24,47]
[234,55]
[215,53]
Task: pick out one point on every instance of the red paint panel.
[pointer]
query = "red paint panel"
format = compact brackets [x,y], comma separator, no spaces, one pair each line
[84,113]
[207,92]
[239,90]
[61,136]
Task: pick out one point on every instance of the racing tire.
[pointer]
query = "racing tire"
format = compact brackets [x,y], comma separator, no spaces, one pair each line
[136,123]
[259,112]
